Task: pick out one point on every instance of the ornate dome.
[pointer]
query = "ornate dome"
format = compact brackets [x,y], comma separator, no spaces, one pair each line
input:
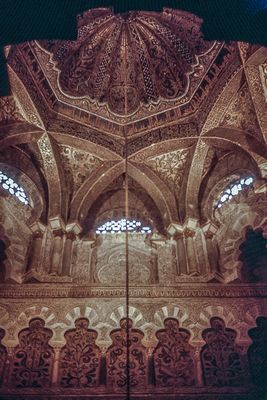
[128,60]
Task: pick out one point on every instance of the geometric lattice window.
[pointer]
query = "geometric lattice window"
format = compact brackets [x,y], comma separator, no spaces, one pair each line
[13,188]
[122,225]
[233,189]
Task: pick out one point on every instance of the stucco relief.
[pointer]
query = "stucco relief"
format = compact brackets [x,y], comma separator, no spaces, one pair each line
[13,224]
[170,167]
[9,111]
[78,165]
[109,265]
[241,113]
[158,68]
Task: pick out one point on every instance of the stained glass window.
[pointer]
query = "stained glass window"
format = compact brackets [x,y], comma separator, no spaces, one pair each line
[233,189]
[13,188]
[121,226]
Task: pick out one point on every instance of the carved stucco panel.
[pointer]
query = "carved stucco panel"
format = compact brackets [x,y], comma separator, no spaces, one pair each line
[9,111]
[258,97]
[78,165]
[170,167]
[25,103]
[52,175]
[110,262]
[83,261]
[241,113]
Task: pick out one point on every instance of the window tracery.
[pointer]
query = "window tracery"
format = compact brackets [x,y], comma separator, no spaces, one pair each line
[233,189]
[13,188]
[122,225]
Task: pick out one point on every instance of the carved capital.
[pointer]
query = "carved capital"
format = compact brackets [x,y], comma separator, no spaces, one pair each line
[209,230]
[37,228]
[38,235]
[74,227]
[208,235]
[71,235]
[58,233]
[174,228]
[189,233]
[56,223]
[178,235]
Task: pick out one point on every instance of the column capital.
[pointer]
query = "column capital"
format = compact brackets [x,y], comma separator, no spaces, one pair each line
[56,223]
[37,227]
[157,238]
[74,227]
[58,232]
[189,233]
[209,229]
[175,228]
[191,224]
[71,235]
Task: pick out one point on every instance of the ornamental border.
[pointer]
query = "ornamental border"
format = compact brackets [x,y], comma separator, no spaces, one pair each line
[71,291]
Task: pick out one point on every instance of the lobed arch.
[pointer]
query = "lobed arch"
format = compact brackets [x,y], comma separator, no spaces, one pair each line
[232,237]
[234,163]
[31,186]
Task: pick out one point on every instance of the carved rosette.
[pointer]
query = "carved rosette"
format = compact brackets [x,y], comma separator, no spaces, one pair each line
[220,356]
[117,376]
[173,356]
[33,357]
[80,357]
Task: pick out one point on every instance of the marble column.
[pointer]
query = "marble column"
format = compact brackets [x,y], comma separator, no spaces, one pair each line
[211,246]
[199,380]
[55,371]
[192,263]
[212,256]
[35,251]
[56,252]
[180,253]
[67,253]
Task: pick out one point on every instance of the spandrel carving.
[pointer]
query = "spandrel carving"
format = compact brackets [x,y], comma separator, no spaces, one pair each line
[33,357]
[220,356]
[117,358]
[173,356]
[80,357]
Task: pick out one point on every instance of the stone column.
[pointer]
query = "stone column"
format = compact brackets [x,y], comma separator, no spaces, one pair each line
[55,372]
[180,253]
[67,253]
[199,380]
[192,263]
[209,231]
[36,247]
[56,252]
[34,258]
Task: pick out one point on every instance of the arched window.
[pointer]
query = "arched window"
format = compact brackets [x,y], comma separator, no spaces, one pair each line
[121,225]
[233,189]
[13,188]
